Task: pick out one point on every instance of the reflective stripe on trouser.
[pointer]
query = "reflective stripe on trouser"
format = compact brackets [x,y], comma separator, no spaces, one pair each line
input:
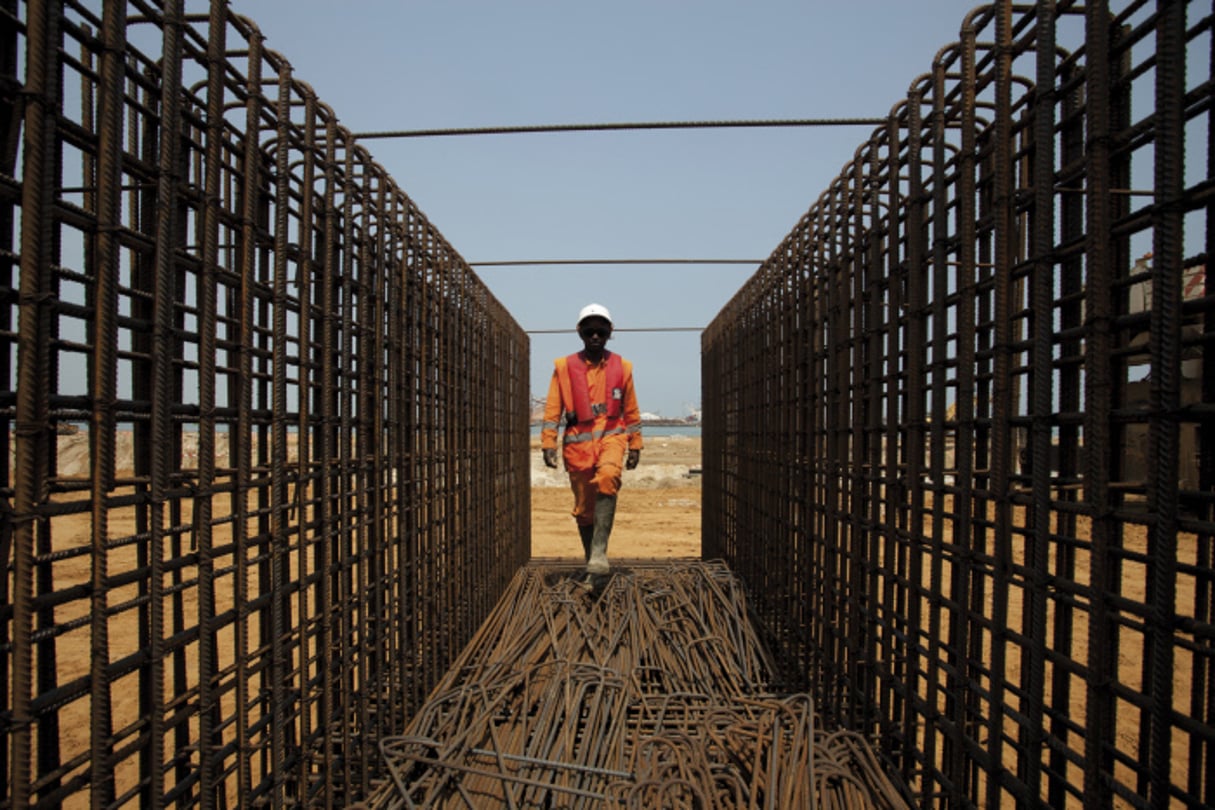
[604,479]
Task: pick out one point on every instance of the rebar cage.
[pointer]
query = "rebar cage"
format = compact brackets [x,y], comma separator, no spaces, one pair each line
[267,432]
[959,434]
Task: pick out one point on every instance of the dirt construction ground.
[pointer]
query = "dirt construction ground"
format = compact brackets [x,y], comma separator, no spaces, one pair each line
[657,515]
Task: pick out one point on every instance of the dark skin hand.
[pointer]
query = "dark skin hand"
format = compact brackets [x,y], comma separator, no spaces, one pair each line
[595,333]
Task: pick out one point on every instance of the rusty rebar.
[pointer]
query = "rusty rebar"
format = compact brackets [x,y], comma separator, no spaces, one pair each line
[650,689]
[219,493]
[996,549]
[957,440]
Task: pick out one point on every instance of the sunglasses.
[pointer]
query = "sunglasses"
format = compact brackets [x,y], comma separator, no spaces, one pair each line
[591,332]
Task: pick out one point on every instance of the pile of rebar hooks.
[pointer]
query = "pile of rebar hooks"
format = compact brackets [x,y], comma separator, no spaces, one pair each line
[645,692]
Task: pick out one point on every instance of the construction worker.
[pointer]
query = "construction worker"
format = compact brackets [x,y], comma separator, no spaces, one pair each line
[591,395]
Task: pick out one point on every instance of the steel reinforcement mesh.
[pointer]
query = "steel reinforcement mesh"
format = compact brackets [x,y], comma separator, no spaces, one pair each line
[266,430]
[959,427]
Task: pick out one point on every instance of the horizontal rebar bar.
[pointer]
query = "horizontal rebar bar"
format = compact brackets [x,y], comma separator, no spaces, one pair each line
[536,128]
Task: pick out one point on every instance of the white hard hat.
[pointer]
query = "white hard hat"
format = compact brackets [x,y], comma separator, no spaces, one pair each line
[593,310]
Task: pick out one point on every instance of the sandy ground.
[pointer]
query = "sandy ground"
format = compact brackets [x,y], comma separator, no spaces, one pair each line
[657,514]
[658,517]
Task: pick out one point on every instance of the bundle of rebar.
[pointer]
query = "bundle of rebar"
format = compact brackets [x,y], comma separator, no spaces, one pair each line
[648,690]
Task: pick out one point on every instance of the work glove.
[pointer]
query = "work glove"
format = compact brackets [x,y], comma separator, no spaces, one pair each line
[633,460]
[550,457]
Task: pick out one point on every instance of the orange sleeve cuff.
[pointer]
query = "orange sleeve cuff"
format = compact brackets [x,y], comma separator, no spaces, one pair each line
[552,414]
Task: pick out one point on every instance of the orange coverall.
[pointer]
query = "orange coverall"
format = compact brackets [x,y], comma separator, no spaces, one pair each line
[608,451]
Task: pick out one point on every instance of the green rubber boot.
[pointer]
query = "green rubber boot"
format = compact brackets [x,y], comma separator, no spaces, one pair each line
[587,532]
[605,514]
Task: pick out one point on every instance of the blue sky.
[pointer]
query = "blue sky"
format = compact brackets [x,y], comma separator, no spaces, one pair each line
[670,194]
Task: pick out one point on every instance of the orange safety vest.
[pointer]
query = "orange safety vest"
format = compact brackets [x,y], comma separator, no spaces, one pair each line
[580,413]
